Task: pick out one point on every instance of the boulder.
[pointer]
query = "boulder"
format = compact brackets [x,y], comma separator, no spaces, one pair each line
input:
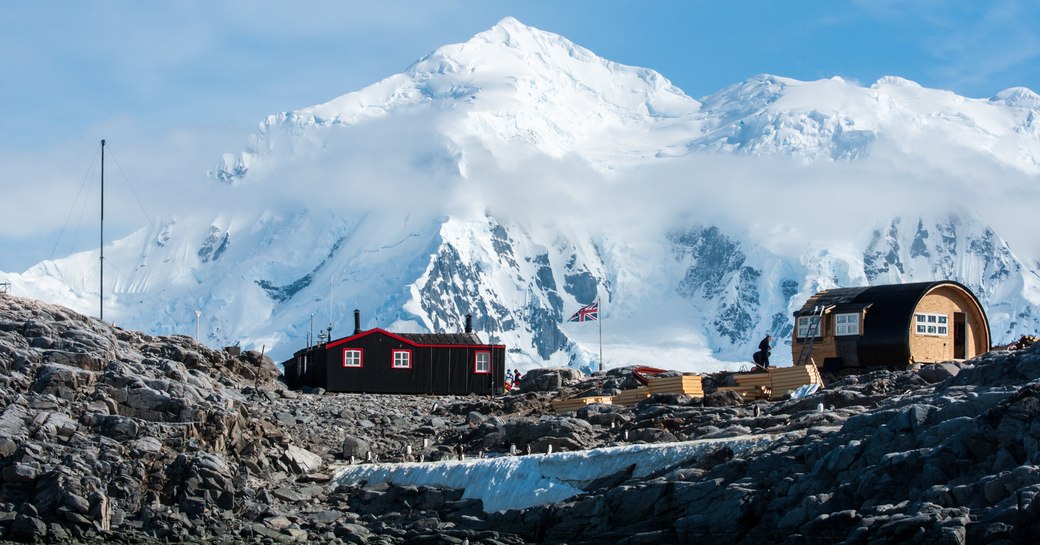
[356,447]
[938,372]
[120,428]
[302,460]
[561,432]
[53,378]
[549,379]
[28,529]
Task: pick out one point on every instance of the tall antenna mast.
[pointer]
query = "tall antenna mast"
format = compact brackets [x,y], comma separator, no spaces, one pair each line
[332,280]
[101,284]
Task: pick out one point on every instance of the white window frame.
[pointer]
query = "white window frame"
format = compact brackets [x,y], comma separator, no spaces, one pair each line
[933,325]
[803,327]
[355,359]
[482,367]
[846,324]
[401,363]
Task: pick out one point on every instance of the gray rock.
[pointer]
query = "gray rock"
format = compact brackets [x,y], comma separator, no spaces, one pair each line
[149,403]
[13,422]
[7,447]
[28,529]
[148,445]
[279,522]
[287,494]
[474,418]
[120,428]
[302,460]
[938,372]
[54,378]
[548,379]
[77,503]
[356,447]
[561,432]
[326,517]
[19,473]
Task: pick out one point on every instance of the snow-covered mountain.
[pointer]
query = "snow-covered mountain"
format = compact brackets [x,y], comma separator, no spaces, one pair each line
[518,176]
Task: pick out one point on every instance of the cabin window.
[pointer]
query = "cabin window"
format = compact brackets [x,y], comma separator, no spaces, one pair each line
[482,362]
[931,324]
[351,357]
[846,324]
[803,326]
[402,359]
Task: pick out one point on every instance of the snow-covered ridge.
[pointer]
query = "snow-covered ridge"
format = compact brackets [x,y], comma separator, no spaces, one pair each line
[517,83]
[512,81]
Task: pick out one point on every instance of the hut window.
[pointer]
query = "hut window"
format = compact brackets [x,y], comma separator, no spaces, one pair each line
[351,357]
[402,359]
[482,362]
[846,324]
[803,327]
[931,324]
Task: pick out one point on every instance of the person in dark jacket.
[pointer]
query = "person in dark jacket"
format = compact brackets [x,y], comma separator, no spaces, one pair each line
[764,348]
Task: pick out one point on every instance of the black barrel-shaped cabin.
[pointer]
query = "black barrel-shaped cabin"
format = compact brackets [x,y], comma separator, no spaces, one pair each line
[892,325]
[378,361]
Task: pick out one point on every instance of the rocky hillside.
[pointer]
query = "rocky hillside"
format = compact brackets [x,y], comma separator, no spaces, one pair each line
[108,435]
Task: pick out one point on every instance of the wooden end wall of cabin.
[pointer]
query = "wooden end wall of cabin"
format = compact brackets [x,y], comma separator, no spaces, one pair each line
[823,347]
[828,345]
[948,300]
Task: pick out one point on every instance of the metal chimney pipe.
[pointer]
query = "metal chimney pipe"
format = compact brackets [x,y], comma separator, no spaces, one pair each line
[469,323]
[357,321]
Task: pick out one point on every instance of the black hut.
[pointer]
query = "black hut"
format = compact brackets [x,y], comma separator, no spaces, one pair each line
[378,361]
[891,325]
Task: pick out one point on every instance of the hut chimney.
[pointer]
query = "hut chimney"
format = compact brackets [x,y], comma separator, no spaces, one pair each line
[357,321]
[469,323]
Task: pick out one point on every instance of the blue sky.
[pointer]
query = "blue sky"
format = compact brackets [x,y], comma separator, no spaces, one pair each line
[193,78]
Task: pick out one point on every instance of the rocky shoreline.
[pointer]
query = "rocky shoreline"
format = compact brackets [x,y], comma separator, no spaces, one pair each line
[113,436]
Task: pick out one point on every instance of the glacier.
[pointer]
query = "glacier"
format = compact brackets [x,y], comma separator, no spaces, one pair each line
[518,176]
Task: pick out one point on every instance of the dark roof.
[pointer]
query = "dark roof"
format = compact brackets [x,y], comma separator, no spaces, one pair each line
[441,338]
[419,339]
[886,327]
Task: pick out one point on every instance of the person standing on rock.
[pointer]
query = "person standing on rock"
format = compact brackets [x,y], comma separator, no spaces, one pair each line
[764,348]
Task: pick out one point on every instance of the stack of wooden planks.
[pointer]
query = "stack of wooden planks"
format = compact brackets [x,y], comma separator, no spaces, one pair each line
[784,380]
[631,397]
[748,392]
[774,384]
[751,385]
[754,379]
[573,404]
[684,384]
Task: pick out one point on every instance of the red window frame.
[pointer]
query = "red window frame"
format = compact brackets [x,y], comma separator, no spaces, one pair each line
[393,358]
[361,358]
[476,361]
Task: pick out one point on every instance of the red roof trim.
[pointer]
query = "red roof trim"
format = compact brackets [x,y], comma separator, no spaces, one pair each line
[338,342]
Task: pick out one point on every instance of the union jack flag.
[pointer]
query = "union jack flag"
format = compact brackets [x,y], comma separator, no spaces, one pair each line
[587,313]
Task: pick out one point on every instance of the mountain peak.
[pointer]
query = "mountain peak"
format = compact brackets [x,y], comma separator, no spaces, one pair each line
[509,37]
[508,27]
[1018,97]
[512,33]
[895,81]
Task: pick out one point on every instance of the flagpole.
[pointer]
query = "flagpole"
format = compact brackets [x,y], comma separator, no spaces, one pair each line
[600,320]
